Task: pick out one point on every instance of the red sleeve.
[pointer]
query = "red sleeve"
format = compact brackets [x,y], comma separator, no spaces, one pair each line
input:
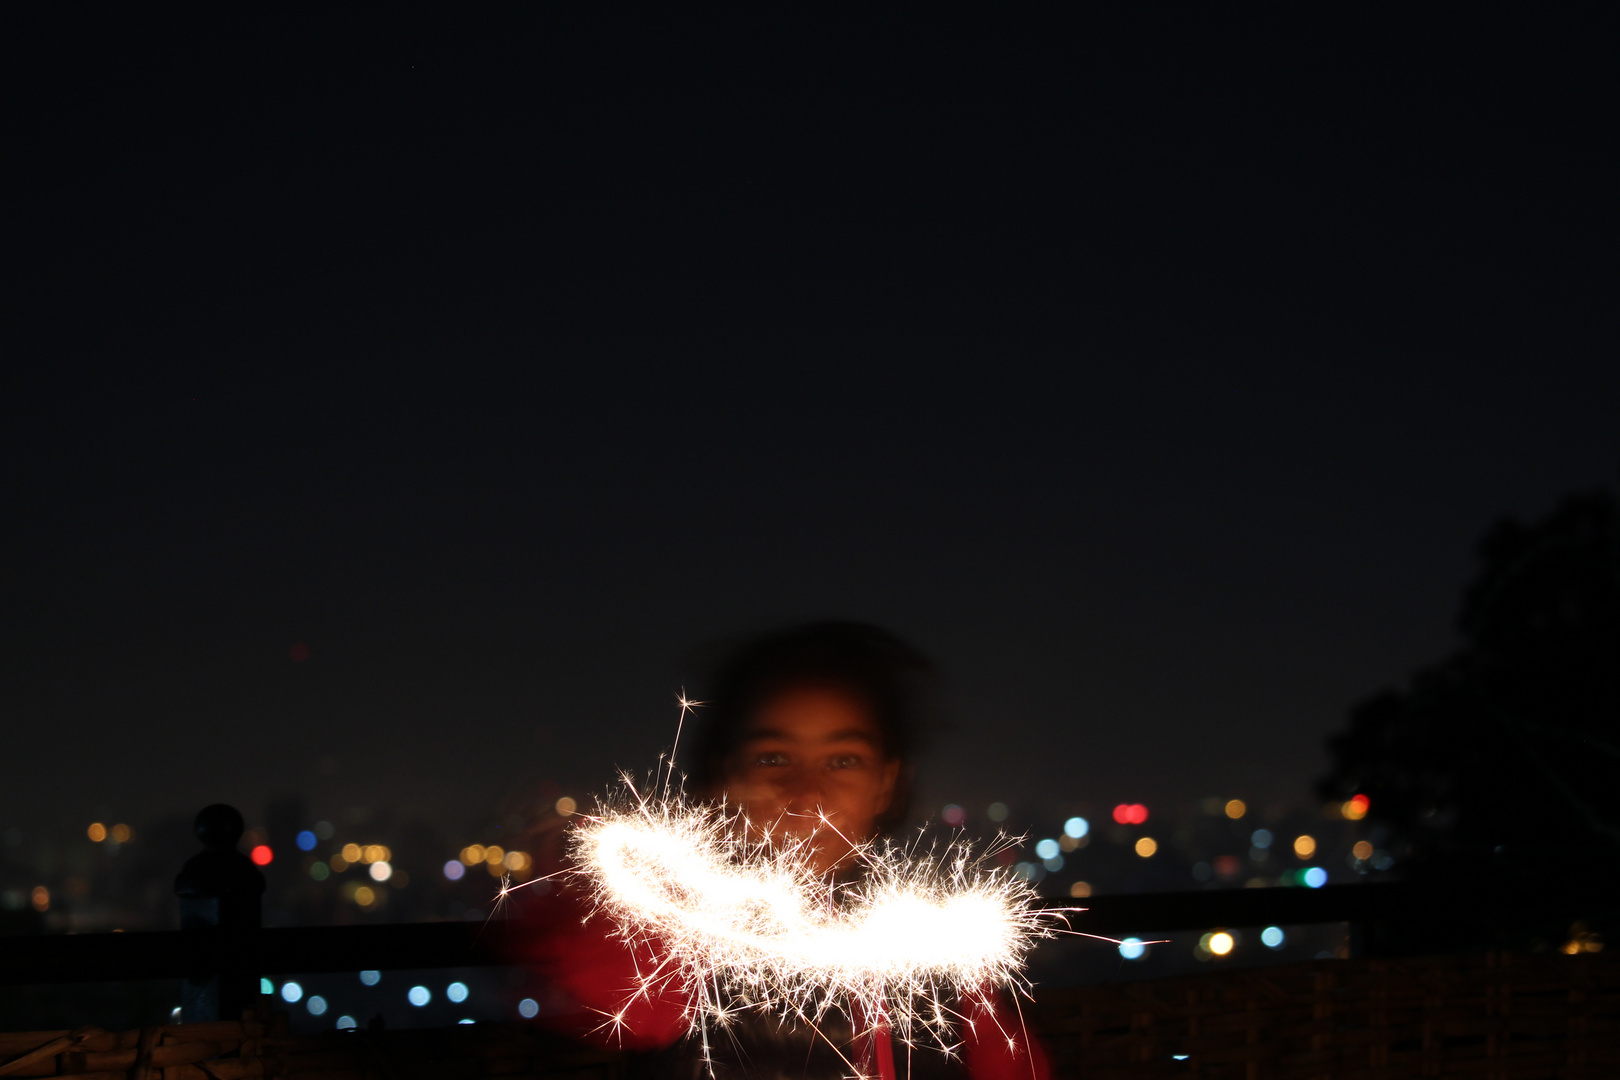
[615,994]
[997,1045]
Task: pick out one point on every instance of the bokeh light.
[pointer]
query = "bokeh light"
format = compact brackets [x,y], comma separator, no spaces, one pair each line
[1221,943]
[122,833]
[1077,827]
[1130,813]
[291,992]
[1147,847]
[320,871]
[997,812]
[528,1008]
[371,978]
[381,871]
[1046,848]
[97,831]
[566,806]
[456,992]
[1272,937]
[1236,808]
[307,840]
[494,854]
[40,898]
[346,1023]
[365,896]
[338,863]
[316,1005]
[1305,846]
[1356,808]
[261,855]
[1363,849]
[1080,889]
[1261,838]
[1132,948]
[454,870]
[1316,877]
[351,853]
[266,987]
[1054,864]
[419,996]
[953,815]
[472,854]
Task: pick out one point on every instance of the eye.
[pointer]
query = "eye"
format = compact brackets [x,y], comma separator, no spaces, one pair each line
[846,761]
[773,758]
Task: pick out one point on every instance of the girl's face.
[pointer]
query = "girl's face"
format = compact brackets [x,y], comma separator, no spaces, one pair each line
[808,754]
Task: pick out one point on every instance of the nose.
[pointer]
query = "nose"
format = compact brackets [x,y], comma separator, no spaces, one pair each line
[802,792]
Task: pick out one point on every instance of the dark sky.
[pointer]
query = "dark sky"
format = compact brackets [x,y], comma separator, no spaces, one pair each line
[1156,371]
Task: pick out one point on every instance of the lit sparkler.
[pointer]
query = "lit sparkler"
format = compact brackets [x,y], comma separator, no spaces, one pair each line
[744,923]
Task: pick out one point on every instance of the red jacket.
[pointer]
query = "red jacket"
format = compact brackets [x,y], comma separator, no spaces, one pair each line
[599,975]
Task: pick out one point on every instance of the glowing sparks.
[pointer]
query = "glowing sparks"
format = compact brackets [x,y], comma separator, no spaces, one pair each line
[744,922]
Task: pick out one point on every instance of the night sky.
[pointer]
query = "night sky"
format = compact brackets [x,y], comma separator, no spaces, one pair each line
[1156,372]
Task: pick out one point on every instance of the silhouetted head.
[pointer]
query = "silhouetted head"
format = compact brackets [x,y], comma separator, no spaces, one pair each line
[818,721]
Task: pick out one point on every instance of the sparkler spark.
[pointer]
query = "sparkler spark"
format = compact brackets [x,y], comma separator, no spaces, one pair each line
[744,923]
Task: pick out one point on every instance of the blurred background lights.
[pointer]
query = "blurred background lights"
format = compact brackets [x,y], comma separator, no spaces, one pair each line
[1221,943]
[466,1020]
[419,996]
[371,978]
[373,853]
[381,871]
[494,854]
[40,898]
[517,861]
[122,834]
[346,1023]
[1362,850]
[472,854]
[456,992]
[1054,864]
[291,991]
[1146,847]
[566,806]
[1272,937]
[1305,846]
[1316,877]
[1076,827]
[261,855]
[320,871]
[1261,838]
[266,986]
[316,1005]
[1080,889]
[1130,813]
[97,832]
[1132,948]
[454,870]
[953,815]
[1236,808]
[365,896]
[351,853]
[1356,808]
[528,1008]
[306,840]
[997,812]
[1046,848]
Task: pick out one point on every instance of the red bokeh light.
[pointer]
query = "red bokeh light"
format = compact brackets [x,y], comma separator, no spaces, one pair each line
[298,652]
[261,855]
[1361,803]
[1130,813]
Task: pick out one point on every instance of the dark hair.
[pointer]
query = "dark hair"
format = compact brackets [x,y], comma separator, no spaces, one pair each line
[893,680]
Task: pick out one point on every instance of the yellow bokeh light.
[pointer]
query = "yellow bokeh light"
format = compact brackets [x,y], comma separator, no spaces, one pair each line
[1352,810]
[374,853]
[351,853]
[1236,808]
[1146,846]
[97,832]
[472,854]
[41,898]
[338,864]
[1362,850]
[1067,842]
[494,854]
[566,806]
[517,861]
[365,896]
[1221,943]
[1080,889]
[122,833]
[1304,846]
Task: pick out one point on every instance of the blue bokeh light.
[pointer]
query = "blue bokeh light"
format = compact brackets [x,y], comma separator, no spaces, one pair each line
[1316,877]
[1132,948]
[306,841]
[1077,827]
[419,996]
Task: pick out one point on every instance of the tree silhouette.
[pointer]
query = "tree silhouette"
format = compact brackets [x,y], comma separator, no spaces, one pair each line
[1503,761]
